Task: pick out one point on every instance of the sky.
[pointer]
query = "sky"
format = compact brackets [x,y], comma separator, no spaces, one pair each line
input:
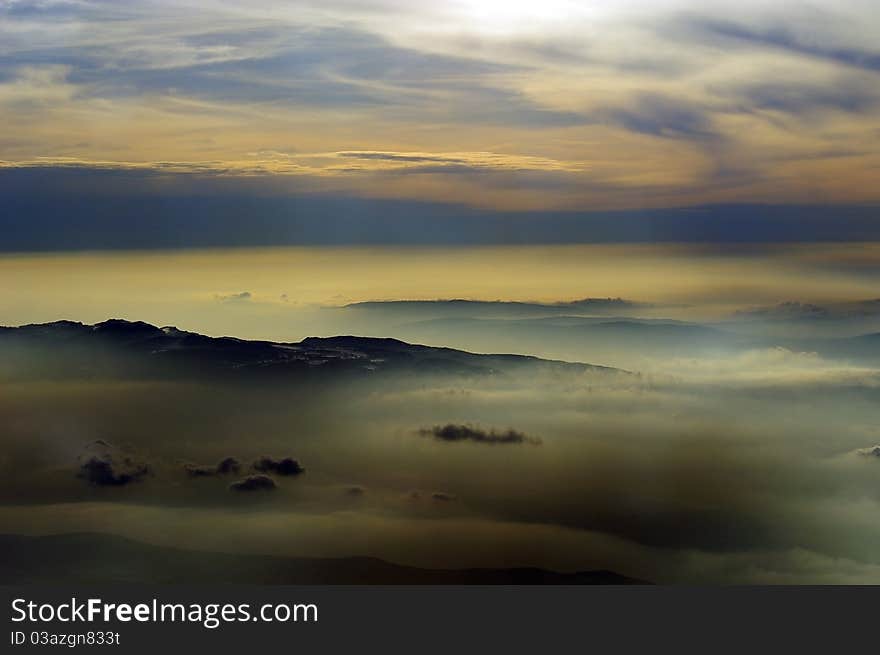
[267,123]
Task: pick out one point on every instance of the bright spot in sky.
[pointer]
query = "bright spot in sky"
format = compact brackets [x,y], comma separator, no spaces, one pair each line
[503,15]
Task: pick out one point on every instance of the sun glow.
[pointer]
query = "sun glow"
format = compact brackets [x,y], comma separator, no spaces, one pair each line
[504,15]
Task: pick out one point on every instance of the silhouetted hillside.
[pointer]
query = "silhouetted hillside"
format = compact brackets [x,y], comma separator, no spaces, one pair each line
[100,558]
[118,348]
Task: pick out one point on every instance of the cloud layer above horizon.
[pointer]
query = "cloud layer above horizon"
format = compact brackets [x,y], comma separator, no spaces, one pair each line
[499,106]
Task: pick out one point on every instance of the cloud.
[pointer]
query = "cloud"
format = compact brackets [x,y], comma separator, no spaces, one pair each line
[103,473]
[105,465]
[355,490]
[428,162]
[286,466]
[872,451]
[226,466]
[254,483]
[854,95]
[309,65]
[243,296]
[780,37]
[583,113]
[321,164]
[662,116]
[459,432]
[442,497]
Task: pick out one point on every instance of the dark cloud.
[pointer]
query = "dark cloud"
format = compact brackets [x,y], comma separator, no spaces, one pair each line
[355,490]
[458,432]
[226,466]
[782,38]
[254,483]
[660,115]
[286,466]
[442,496]
[105,465]
[850,95]
[104,472]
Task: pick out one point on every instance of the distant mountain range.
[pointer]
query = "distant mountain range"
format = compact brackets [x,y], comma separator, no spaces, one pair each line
[90,558]
[605,332]
[132,349]
[413,309]
[791,310]
[609,330]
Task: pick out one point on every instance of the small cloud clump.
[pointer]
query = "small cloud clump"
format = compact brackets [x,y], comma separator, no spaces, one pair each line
[459,432]
[104,465]
[244,296]
[286,466]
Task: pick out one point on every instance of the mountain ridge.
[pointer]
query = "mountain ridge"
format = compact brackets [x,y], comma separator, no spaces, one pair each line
[117,345]
[101,558]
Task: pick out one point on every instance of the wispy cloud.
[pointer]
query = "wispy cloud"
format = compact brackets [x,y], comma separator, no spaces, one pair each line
[777,36]
[322,163]
[523,108]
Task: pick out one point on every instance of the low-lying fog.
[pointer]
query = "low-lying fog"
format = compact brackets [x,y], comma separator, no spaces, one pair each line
[735,478]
